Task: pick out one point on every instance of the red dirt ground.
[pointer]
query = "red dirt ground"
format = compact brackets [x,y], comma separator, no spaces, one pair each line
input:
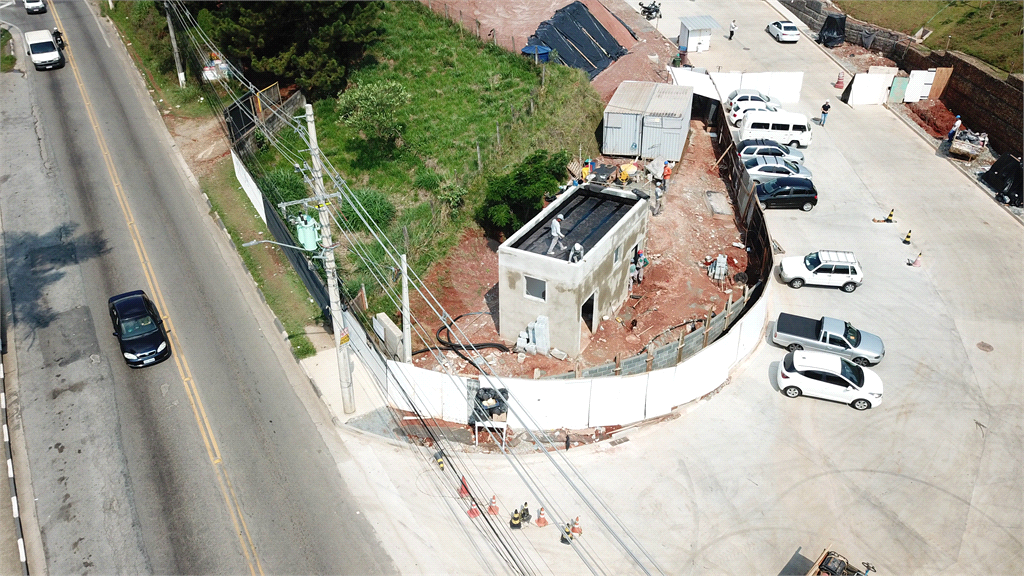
[933,116]
[860,58]
[675,289]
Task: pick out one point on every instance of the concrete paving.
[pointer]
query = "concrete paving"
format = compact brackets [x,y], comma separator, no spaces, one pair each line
[753,482]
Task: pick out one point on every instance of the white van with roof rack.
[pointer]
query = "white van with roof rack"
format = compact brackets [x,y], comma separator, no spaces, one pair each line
[789,128]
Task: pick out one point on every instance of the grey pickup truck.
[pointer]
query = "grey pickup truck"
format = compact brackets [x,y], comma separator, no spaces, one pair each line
[828,335]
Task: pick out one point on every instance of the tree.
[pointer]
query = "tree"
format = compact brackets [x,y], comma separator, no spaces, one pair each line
[374,109]
[513,199]
[310,43]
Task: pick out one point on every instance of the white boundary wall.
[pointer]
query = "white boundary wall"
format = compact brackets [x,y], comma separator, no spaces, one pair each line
[589,402]
[249,185]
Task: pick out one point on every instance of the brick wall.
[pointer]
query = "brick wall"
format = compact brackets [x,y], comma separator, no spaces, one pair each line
[986,102]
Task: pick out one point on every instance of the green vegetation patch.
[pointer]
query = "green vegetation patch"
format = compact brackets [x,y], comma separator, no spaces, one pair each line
[7,58]
[986,29]
[442,114]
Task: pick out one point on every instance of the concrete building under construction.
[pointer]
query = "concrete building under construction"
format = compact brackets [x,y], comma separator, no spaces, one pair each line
[573,288]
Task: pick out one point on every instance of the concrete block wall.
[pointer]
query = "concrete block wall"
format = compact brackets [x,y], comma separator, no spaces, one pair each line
[986,102]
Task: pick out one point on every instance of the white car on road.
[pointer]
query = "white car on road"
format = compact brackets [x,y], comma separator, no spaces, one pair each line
[783,31]
[829,377]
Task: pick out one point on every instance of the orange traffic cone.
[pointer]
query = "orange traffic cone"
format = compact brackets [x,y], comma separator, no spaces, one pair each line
[542,520]
[916,262]
[839,82]
[473,510]
[463,488]
[492,509]
[576,527]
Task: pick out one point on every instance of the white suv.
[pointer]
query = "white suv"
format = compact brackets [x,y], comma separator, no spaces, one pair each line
[822,268]
[829,377]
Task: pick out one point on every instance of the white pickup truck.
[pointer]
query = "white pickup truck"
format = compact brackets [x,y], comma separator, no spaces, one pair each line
[828,335]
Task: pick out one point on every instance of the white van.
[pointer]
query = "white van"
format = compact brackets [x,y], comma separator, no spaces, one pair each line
[785,127]
[43,51]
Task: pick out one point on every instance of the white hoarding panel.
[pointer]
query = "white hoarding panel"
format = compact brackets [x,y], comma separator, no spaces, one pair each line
[700,82]
[551,403]
[618,400]
[869,89]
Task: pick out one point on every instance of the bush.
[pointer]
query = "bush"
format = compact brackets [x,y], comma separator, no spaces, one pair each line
[376,207]
[513,199]
[283,185]
[373,109]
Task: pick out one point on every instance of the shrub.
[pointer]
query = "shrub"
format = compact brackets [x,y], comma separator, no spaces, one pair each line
[373,109]
[513,199]
[283,185]
[376,207]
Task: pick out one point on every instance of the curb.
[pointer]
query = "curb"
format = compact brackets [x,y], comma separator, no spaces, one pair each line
[10,475]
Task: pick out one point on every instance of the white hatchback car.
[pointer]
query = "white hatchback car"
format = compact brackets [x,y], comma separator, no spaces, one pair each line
[783,31]
[748,94]
[829,377]
[741,107]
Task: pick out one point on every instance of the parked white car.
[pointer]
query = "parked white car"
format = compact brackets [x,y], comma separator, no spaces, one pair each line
[822,268]
[767,168]
[748,94]
[742,107]
[829,377]
[783,31]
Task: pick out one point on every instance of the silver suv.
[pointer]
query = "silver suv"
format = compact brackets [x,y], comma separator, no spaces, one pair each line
[822,268]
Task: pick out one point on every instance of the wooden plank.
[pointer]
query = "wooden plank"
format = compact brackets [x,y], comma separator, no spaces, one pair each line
[939,82]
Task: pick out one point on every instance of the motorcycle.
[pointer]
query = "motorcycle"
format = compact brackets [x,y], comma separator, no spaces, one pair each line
[651,11]
[58,37]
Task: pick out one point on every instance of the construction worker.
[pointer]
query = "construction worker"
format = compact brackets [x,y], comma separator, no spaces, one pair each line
[556,234]
[666,172]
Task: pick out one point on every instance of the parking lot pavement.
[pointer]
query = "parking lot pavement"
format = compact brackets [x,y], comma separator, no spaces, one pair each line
[931,480]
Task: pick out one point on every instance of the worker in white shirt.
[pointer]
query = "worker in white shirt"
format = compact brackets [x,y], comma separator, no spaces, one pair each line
[556,234]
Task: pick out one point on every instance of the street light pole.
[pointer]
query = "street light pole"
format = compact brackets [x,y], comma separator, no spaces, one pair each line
[341,337]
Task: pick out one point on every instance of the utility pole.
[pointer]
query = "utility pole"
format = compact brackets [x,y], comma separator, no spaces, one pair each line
[174,44]
[406,315]
[341,336]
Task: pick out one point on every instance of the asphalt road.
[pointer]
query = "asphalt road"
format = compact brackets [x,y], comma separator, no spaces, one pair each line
[207,463]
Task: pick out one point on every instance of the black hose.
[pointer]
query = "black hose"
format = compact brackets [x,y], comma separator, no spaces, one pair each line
[448,345]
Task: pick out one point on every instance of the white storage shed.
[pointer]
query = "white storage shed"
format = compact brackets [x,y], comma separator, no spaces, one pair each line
[666,122]
[695,33]
[623,118]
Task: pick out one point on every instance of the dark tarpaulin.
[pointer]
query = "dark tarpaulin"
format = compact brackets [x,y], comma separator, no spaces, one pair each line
[868,38]
[833,31]
[1006,177]
[580,40]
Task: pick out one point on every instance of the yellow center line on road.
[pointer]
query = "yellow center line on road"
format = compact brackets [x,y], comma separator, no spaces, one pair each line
[191,390]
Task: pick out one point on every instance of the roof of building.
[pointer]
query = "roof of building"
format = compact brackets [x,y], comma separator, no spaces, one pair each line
[631,97]
[670,100]
[699,22]
[590,212]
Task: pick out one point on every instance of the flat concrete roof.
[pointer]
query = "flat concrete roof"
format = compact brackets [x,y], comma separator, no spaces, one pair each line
[590,212]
